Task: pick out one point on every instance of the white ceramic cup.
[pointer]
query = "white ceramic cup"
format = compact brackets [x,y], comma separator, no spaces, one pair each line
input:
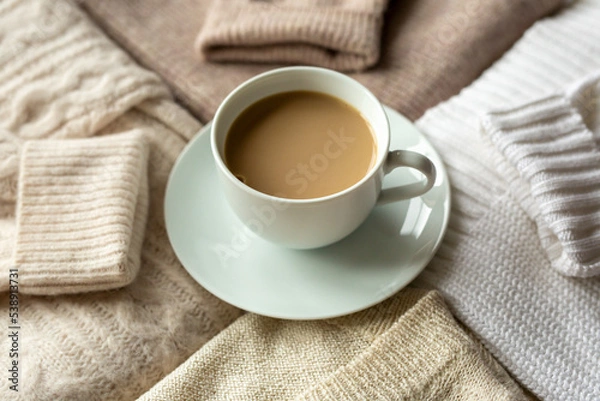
[316,222]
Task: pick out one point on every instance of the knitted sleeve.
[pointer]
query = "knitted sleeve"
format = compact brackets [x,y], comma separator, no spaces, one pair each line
[343,35]
[550,153]
[81,212]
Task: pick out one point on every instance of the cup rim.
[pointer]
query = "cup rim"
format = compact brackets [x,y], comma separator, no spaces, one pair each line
[273,198]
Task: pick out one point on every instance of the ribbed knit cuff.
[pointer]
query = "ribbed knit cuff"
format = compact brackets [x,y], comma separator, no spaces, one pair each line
[423,356]
[558,164]
[81,213]
[345,36]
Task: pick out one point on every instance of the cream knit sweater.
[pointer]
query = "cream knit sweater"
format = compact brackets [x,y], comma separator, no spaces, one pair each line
[80,124]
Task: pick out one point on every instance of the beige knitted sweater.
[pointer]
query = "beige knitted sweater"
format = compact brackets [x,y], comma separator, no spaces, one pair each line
[80,123]
[407,348]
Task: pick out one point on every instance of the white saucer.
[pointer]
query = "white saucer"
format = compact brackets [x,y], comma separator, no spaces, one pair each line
[382,256]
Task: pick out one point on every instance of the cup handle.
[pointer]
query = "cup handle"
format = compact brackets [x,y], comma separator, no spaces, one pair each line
[407,158]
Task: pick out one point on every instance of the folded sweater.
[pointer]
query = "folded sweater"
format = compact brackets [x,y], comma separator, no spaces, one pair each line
[81,207]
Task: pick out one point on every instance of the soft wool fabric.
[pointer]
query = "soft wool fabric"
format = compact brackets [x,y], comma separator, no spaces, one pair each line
[81,214]
[430,49]
[63,80]
[408,348]
[502,263]
[343,35]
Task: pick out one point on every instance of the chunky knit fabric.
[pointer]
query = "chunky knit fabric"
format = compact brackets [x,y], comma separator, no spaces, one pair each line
[343,35]
[69,93]
[408,348]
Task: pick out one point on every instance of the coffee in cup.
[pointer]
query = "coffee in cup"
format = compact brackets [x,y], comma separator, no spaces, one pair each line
[285,207]
[300,145]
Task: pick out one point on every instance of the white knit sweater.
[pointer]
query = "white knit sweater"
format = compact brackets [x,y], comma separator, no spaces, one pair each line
[521,148]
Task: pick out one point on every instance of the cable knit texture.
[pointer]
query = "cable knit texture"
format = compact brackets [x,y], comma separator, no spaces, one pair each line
[343,35]
[408,348]
[81,213]
[430,50]
[68,90]
[494,267]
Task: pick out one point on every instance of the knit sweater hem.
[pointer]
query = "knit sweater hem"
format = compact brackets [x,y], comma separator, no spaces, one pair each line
[552,161]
